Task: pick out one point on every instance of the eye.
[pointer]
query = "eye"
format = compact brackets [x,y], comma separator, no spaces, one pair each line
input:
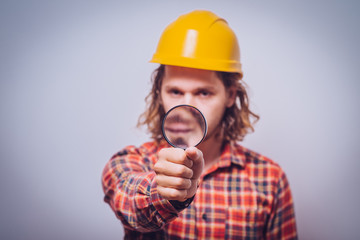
[204,93]
[174,92]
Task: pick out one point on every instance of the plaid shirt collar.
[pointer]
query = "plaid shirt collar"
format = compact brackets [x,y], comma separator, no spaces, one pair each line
[228,157]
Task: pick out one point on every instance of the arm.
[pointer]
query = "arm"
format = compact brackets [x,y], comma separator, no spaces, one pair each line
[130,190]
[143,199]
[281,224]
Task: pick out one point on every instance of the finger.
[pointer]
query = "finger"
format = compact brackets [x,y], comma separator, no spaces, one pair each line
[172,169]
[198,161]
[193,153]
[173,182]
[172,194]
[192,190]
[175,155]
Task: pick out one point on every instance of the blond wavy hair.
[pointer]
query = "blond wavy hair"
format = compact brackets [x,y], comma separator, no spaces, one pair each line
[237,121]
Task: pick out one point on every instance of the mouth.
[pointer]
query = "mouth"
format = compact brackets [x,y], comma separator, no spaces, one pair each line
[178,130]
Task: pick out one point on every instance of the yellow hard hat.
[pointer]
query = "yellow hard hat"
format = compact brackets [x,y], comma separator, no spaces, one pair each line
[199,39]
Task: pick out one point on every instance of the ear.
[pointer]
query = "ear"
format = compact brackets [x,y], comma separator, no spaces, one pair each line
[231,97]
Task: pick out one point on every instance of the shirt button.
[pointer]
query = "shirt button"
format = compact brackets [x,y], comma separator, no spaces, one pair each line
[204,216]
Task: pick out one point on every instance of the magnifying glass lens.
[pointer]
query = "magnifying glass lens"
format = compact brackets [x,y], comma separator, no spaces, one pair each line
[184,126]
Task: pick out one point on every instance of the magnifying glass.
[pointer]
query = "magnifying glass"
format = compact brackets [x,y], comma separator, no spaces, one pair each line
[184,126]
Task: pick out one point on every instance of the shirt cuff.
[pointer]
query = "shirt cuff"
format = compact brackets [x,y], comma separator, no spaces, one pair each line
[164,208]
[178,205]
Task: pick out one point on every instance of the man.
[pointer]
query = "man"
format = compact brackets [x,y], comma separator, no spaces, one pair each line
[219,189]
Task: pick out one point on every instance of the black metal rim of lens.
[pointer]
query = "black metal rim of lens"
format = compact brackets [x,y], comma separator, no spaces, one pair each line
[183,105]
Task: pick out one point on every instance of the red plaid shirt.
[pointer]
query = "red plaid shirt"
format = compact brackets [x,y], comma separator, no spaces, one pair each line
[244,196]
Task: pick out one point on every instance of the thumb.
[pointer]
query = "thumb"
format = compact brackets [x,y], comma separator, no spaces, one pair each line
[193,153]
[198,160]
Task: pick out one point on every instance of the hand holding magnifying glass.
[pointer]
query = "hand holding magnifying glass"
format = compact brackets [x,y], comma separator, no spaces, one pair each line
[178,169]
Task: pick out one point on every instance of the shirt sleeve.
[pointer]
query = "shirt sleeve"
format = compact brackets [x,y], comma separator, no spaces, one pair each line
[281,224]
[130,190]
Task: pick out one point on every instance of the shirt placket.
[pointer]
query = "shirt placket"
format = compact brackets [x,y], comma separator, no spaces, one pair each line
[210,208]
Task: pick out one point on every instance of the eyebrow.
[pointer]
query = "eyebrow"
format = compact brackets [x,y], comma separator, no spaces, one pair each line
[207,88]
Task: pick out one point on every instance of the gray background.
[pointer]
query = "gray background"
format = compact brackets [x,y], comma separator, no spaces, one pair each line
[74,75]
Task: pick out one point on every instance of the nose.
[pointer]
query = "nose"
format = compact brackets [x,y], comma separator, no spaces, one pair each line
[189,99]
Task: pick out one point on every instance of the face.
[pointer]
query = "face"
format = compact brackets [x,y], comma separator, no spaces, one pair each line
[199,88]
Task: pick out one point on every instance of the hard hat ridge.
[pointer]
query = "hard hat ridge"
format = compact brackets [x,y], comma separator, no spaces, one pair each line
[199,39]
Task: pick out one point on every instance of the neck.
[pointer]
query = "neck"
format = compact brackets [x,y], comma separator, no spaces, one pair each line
[211,149]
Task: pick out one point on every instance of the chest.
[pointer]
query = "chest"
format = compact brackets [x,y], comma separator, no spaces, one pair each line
[227,205]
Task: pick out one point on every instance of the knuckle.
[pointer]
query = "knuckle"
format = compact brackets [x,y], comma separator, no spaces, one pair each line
[173,194]
[184,172]
[181,183]
[162,152]
[176,194]
[157,180]
[157,167]
[186,183]
[160,190]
